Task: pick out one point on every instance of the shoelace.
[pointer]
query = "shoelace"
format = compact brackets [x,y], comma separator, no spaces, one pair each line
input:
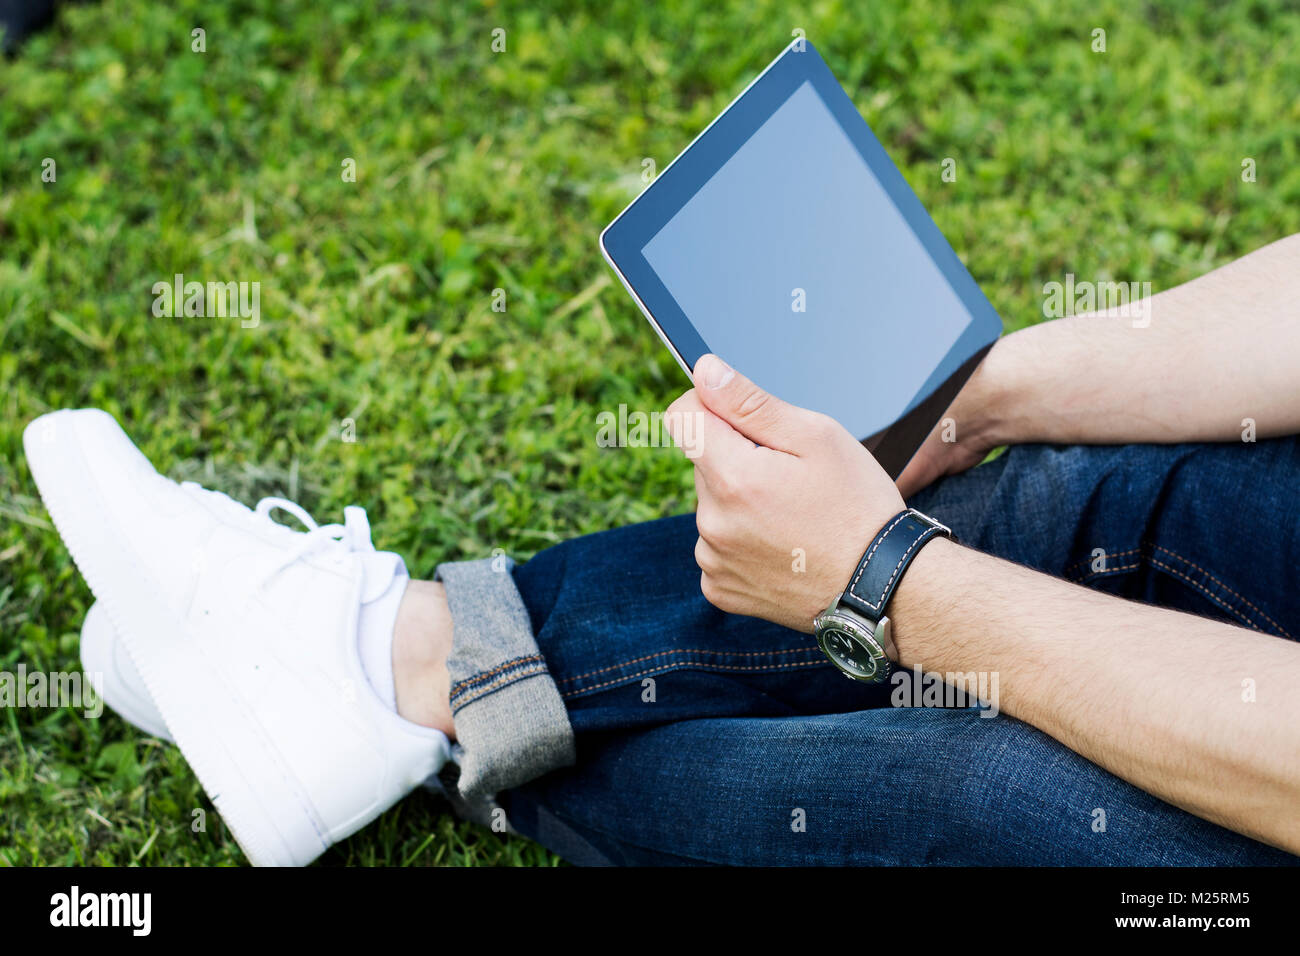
[352,535]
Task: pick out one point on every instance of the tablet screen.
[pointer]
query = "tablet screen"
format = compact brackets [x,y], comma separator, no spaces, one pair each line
[795,266]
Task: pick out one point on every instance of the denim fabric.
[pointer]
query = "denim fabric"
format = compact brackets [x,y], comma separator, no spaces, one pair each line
[704,737]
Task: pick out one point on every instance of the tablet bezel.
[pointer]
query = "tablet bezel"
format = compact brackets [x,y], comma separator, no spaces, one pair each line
[623,240]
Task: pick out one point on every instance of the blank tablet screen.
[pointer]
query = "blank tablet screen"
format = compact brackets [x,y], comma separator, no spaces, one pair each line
[797,219]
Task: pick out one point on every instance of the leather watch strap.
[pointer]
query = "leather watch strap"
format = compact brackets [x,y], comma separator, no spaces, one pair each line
[885,560]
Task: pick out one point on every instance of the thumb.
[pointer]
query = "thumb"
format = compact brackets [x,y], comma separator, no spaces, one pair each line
[762,418]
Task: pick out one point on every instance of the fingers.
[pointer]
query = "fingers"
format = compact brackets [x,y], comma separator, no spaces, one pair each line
[708,558]
[760,417]
[713,445]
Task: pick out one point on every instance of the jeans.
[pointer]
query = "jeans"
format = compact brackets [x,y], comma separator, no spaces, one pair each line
[708,738]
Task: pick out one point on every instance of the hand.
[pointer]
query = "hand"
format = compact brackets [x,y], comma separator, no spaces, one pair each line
[941,454]
[788,499]
[975,423]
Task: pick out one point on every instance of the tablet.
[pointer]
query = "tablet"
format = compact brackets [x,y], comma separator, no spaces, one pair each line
[784,240]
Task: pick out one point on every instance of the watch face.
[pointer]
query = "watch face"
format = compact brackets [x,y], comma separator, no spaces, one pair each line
[845,649]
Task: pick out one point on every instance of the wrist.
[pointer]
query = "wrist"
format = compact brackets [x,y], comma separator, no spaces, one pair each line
[916,614]
[995,407]
[855,630]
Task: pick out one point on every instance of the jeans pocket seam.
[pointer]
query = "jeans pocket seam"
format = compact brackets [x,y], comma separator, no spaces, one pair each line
[1117,554]
[1217,598]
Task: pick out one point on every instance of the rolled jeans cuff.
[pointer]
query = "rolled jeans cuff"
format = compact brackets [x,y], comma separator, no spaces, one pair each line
[511,723]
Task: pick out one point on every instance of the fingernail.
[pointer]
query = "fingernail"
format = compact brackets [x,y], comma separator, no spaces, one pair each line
[717,373]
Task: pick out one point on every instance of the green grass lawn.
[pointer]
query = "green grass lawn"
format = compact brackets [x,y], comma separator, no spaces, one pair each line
[477,171]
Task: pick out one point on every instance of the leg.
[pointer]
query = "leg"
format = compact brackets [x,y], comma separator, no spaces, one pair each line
[609,633]
[173,560]
[1206,528]
[618,623]
[1150,511]
[885,786]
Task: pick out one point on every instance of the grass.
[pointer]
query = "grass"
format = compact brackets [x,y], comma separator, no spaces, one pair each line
[477,171]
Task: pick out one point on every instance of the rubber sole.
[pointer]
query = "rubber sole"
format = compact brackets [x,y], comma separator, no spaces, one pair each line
[102,661]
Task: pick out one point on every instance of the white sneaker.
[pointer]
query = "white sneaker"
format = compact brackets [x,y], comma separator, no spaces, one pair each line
[244,635]
[119,685]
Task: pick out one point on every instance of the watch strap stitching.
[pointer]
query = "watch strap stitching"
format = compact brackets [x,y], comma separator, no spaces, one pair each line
[880,538]
[929,529]
[921,539]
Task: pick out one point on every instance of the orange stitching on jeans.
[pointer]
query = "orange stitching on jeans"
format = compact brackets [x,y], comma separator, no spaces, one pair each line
[1207,592]
[648,657]
[1117,554]
[500,682]
[1198,586]
[713,668]
[484,675]
[1225,587]
[1121,567]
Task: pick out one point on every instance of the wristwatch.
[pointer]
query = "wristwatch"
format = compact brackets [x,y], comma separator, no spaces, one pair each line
[854,631]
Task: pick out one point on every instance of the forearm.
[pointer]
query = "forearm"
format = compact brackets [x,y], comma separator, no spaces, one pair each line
[1208,355]
[1155,696]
